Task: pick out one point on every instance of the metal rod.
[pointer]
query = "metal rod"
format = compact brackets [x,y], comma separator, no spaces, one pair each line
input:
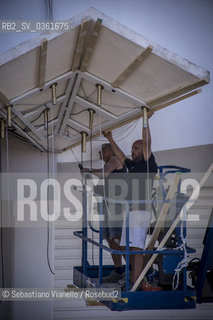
[2,129]
[9,118]
[83,141]
[145,118]
[99,94]
[54,99]
[100,205]
[170,252]
[91,118]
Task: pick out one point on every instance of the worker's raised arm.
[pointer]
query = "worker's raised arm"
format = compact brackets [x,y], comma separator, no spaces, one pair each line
[146,137]
[117,151]
[109,167]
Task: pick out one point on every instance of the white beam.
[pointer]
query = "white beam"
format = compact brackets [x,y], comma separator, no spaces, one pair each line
[32,112]
[70,104]
[77,126]
[51,124]
[64,104]
[118,92]
[31,92]
[28,123]
[87,104]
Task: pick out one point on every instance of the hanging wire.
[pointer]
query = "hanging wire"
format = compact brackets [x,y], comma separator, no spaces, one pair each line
[53,145]
[84,92]
[184,262]
[8,179]
[103,176]
[113,106]
[147,176]
[81,85]
[49,10]
[1,227]
[91,191]
[74,156]
[48,207]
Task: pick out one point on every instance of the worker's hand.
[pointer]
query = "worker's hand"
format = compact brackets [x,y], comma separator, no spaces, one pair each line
[107,135]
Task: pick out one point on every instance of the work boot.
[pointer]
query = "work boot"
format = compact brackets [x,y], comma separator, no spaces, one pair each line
[148,287]
[113,277]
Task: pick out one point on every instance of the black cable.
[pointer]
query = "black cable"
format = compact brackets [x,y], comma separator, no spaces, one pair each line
[1,227]
[75,114]
[18,136]
[37,117]
[48,223]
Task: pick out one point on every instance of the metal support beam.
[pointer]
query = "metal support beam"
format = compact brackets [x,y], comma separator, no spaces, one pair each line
[2,129]
[91,118]
[83,141]
[99,94]
[9,116]
[53,89]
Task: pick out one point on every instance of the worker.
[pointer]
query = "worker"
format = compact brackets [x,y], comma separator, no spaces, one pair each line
[111,229]
[142,164]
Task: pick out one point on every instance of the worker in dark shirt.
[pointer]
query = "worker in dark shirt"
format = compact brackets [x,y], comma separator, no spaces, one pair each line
[141,167]
[112,229]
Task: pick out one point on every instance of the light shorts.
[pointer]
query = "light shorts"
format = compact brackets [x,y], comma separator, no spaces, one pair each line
[139,222]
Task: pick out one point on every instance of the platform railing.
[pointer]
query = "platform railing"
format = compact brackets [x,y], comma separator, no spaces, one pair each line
[127,252]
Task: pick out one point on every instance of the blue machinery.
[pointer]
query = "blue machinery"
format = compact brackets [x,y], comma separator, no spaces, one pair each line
[87,275]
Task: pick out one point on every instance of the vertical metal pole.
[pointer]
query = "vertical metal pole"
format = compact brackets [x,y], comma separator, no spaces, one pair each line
[101,241]
[53,88]
[9,116]
[2,129]
[84,221]
[145,118]
[84,231]
[184,236]
[99,94]
[91,118]
[83,141]
[127,247]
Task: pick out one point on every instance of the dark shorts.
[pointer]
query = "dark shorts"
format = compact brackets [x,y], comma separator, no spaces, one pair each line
[112,228]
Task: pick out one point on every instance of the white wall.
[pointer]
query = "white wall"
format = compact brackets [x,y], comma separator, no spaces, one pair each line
[185,27]
[25,249]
